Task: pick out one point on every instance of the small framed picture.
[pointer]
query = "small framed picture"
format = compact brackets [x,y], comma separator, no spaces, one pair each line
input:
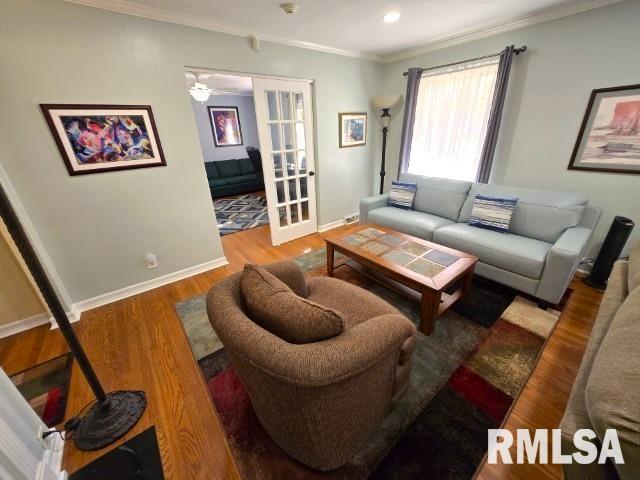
[353,129]
[225,124]
[101,138]
[609,138]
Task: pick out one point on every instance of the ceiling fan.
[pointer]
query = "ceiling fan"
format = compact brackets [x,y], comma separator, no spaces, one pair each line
[201,91]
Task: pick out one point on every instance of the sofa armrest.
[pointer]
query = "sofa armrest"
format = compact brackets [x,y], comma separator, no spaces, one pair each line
[562,262]
[371,203]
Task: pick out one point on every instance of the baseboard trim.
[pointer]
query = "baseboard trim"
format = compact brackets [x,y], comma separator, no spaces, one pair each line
[24,324]
[336,224]
[141,287]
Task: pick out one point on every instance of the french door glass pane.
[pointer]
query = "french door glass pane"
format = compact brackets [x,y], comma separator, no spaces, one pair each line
[280,192]
[272,105]
[275,136]
[285,104]
[277,164]
[303,187]
[294,213]
[293,190]
[304,206]
[302,162]
[298,106]
[282,213]
[288,136]
[300,136]
[291,163]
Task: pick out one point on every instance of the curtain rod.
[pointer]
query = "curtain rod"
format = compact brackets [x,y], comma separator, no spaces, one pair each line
[517,51]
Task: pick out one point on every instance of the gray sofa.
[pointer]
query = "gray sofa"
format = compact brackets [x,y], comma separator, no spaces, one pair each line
[606,392]
[547,237]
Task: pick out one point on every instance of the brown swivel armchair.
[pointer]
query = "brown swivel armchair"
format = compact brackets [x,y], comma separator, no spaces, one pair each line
[319,401]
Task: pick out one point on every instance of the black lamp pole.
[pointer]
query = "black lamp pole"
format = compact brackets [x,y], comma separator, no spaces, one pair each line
[386,119]
[114,413]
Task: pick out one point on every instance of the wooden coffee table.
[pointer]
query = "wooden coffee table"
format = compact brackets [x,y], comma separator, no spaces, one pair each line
[411,266]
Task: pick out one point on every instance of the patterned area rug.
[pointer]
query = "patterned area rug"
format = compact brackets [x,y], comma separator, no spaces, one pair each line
[45,387]
[464,379]
[241,213]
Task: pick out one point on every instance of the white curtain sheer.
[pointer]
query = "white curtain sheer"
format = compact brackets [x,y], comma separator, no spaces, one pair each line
[451,118]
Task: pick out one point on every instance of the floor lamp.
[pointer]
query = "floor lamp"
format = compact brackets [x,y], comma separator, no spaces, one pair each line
[113,414]
[384,103]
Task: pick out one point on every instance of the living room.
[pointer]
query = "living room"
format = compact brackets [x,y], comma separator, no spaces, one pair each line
[131,254]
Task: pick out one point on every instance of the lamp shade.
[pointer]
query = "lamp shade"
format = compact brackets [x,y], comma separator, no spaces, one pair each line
[385,101]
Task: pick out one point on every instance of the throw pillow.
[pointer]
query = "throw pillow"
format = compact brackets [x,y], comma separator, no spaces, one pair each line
[276,308]
[492,213]
[402,195]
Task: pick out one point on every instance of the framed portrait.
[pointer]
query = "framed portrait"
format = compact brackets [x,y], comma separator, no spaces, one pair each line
[353,129]
[225,124]
[609,138]
[101,138]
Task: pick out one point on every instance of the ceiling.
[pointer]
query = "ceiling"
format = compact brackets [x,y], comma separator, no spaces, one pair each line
[221,84]
[355,27]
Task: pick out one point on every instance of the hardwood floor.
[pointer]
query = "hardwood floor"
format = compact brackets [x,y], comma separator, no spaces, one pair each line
[139,343]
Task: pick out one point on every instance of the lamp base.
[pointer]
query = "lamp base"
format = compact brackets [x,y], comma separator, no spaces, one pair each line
[106,422]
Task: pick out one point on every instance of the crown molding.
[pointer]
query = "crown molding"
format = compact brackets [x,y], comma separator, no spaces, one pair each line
[170,16]
[469,36]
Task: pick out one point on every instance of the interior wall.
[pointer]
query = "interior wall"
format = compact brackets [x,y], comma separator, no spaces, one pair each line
[18,299]
[549,88]
[248,126]
[96,229]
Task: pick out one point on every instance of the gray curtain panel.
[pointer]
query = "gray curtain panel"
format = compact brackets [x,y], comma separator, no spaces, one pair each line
[491,138]
[413,83]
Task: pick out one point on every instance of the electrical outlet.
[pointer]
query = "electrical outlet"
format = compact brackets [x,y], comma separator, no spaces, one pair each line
[152,260]
[352,218]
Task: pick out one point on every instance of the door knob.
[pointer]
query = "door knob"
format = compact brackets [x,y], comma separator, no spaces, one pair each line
[312,173]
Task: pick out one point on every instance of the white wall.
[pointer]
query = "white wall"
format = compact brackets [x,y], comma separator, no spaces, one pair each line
[549,88]
[248,125]
[96,229]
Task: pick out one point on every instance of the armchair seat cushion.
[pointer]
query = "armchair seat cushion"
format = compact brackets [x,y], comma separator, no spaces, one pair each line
[516,254]
[277,308]
[411,222]
[354,304]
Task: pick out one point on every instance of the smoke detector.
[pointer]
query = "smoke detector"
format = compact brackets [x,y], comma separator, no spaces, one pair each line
[289,8]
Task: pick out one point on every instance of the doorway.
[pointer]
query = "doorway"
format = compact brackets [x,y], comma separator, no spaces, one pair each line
[257,138]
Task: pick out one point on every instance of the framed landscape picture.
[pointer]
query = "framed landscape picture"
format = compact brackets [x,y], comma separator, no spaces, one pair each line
[609,138]
[101,138]
[353,129]
[225,123]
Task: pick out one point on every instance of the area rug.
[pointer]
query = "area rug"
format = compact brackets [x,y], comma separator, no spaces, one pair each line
[241,213]
[45,387]
[465,378]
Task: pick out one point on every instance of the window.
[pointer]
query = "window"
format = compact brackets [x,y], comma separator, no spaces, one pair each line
[452,113]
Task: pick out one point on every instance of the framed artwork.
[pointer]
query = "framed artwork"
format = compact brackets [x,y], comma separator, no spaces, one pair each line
[225,124]
[353,129]
[102,138]
[609,138]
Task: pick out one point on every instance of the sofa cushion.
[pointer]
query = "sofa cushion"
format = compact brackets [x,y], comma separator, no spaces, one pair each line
[540,214]
[241,179]
[401,195]
[438,196]
[217,182]
[228,168]
[613,389]
[634,267]
[492,213]
[276,308]
[246,166]
[212,171]
[517,254]
[411,222]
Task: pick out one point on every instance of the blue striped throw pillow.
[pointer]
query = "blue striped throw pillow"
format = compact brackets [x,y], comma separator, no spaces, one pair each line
[402,194]
[492,213]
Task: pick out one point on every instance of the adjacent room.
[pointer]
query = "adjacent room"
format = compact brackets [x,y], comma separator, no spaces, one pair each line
[319,240]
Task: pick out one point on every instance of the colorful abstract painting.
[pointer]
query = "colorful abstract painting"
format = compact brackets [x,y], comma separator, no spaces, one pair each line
[353,129]
[100,138]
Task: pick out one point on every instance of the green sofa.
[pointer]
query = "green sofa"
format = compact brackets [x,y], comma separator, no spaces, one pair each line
[234,177]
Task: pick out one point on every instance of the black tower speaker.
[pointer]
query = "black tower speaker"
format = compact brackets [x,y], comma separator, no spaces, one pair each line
[610,252]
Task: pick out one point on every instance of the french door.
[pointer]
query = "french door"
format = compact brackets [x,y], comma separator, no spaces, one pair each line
[285,127]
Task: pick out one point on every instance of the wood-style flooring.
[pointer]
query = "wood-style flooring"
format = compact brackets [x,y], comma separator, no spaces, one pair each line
[139,343]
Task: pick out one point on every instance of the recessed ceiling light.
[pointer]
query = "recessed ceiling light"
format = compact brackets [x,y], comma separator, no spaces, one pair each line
[391,17]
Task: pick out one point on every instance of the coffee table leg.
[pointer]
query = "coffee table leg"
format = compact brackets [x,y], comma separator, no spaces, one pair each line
[466,282]
[329,260]
[429,307]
